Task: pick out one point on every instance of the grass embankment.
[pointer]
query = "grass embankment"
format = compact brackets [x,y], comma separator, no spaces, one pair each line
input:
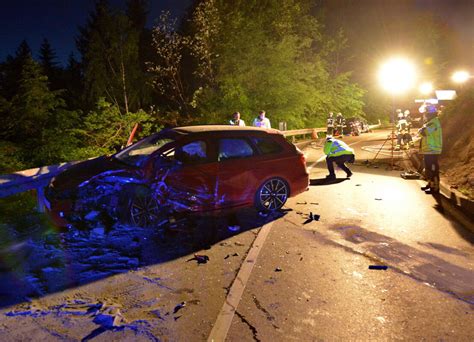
[457,160]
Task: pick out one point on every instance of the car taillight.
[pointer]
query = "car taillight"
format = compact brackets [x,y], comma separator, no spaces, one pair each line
[303,159]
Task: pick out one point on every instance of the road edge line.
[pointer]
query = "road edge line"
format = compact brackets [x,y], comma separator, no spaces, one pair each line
[224,318]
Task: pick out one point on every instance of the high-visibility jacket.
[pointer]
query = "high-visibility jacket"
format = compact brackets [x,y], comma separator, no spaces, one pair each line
[335,148]
[330,122]
[402,126]
[431,137]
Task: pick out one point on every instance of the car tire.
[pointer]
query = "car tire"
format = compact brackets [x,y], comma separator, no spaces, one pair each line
[272,194]
[140,207]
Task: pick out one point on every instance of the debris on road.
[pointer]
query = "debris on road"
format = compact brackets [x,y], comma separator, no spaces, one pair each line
[237,243]
[179,307]
[201,259]
[229,255]
[278,269]
[378,267]
[358,184]
[312,217]
[378,199]
[302,202]
[410,175]
[314,203]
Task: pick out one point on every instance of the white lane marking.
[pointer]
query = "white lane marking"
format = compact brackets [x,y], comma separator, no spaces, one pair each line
[324,157]
[224,319]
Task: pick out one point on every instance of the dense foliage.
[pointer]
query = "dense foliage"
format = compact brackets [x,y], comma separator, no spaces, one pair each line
[287,57]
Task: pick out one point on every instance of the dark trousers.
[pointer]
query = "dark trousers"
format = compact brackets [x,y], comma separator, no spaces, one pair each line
[431,166]
[339,160]
[330,131]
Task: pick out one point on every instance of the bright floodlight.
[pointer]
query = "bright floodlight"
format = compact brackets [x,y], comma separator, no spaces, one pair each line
[460,76]
[426,88]
[397,75]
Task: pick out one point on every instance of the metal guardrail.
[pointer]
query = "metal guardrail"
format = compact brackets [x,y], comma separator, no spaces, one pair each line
[375,126]
[312,132]
[38,178]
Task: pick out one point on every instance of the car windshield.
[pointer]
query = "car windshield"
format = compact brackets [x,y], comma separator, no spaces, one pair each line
[137,153]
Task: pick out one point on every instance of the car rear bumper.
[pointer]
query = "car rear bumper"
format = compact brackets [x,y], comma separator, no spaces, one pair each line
[299,185]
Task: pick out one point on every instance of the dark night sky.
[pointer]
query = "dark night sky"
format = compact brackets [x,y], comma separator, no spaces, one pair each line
[57,20]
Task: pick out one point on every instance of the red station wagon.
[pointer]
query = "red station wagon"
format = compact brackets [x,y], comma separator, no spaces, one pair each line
[195,169]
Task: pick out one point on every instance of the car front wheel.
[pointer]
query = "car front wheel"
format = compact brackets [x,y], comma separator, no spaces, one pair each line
[142,208]
[272,194]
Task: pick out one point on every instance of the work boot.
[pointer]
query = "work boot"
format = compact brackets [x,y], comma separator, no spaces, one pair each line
[330,177]
[426,187]
[348,174]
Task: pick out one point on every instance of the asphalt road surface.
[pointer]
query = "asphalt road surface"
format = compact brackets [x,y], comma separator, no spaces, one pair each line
[285,277]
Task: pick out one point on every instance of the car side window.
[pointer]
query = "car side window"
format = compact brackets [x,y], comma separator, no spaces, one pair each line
[234,149]
[267,145]
[192,153]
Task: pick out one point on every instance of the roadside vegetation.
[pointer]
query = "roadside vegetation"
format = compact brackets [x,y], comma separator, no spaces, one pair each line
[294,59]
[457,161]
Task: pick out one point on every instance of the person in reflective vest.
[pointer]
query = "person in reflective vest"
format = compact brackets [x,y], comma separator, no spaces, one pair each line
[340,122]
[330,124]
[402,131]
[340,153]
[431,145]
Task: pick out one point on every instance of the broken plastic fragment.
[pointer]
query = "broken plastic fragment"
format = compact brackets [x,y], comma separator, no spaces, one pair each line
[278,269]
[201,259]
[378,267]
[179,307]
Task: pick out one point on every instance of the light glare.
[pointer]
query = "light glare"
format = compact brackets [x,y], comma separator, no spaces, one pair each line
[460,76]
[397,75]
[426,88]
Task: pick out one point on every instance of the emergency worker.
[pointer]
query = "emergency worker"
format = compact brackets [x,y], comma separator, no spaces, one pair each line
[431,146]
[408,137]
[236,120]
[340,121]
[330,124]
[402,131]
[340,153]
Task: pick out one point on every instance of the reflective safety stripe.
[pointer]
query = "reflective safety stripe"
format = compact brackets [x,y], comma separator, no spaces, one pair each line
[337,148]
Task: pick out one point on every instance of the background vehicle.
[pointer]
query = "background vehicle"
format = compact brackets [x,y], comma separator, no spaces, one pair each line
[353,127]
[184,170]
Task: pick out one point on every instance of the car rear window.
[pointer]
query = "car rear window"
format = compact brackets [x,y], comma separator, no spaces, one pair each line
[267,145]
[234,149]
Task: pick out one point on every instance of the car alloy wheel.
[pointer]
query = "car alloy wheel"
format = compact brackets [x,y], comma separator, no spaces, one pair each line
[273,194]
[144,211]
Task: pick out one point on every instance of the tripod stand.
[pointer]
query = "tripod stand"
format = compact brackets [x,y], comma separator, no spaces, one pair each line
[391,137]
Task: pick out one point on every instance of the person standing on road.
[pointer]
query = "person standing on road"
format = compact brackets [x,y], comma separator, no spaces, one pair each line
[431,145]
[340,124]
[261,121]
[236,121]
[402,130]
[340,153]
[407,116]
[330,124]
